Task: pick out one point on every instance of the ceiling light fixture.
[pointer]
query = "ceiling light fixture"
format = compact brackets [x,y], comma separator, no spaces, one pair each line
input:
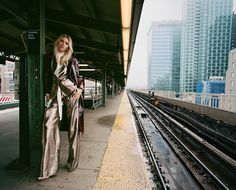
[83,65]
[126,7]
[87,70]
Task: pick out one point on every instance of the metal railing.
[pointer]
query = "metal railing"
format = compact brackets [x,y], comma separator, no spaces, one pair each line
[94,94]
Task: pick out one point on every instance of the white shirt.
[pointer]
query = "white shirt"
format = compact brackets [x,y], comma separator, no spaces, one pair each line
[59,93]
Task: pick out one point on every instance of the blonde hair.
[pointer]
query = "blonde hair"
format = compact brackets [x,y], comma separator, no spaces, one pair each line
[68,53]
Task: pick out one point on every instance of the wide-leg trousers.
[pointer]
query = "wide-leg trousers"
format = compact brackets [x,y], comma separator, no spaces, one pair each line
[51,138]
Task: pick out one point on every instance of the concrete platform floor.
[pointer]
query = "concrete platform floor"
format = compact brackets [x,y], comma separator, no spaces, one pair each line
[98,127]
[123,166]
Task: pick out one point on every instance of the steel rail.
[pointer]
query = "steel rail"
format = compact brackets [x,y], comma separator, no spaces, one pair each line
[148,146]
[212,148]
[223,143]
[197,138]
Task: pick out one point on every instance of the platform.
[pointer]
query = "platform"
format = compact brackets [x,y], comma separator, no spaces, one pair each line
[110,155]
[123,166]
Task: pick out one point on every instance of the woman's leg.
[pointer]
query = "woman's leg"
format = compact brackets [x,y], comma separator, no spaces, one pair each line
[73,134]
[50,142]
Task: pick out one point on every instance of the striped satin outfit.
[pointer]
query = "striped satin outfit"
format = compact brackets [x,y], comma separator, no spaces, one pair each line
[62,89]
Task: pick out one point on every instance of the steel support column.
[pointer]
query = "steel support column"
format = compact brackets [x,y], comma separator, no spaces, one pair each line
[24,153]
[113,87]
[96,88]
[34,65]
[104,87]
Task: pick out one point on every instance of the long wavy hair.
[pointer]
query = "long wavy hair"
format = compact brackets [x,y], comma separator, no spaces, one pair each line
[68,53]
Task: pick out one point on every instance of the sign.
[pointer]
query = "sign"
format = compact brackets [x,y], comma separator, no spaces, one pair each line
[6,98]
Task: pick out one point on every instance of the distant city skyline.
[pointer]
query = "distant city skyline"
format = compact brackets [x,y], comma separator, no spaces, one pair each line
[153,10]
[205,41]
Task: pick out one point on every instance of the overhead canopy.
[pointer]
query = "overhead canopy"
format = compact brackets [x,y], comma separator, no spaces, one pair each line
[94,25]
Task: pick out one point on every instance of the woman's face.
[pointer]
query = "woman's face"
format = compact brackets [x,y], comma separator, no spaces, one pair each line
[63,44]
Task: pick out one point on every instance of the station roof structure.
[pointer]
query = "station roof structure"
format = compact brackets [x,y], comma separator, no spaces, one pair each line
[94,25]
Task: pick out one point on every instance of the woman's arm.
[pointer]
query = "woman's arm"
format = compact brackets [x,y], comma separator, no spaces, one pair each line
[66,77]
[66,85]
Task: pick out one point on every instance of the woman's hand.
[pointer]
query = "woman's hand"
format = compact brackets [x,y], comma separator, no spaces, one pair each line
[48,100]
[47,97]
[77,94]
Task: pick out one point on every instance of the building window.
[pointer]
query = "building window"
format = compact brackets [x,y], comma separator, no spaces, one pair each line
[234,56]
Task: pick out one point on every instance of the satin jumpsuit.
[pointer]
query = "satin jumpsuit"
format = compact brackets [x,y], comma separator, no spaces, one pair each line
[50,133]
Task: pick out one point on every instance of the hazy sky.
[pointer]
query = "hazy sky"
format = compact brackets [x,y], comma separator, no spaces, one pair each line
[153,10]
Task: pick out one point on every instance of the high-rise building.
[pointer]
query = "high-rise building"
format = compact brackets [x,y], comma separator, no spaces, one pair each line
[233,32]
[230,82]
[164,55]
[205,41]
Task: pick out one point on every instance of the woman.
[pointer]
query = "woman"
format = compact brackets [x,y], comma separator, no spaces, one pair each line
[63,86]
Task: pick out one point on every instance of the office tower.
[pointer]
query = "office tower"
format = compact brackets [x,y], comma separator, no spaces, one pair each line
[233,32]
[205,41]
[164,55]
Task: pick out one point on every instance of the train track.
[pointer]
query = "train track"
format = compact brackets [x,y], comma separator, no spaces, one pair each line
[214,132]
[221,142]
[206,165]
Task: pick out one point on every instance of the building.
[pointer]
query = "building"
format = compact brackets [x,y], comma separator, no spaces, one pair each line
[6,75]
[205,41]
[230,87]
[164,55]
[209,92]
[233,33]
[215,85]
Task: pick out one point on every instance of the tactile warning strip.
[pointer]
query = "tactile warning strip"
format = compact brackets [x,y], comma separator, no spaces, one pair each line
[123,166]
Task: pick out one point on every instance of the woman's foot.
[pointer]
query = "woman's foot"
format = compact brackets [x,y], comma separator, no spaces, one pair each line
[71,168]
[45,177]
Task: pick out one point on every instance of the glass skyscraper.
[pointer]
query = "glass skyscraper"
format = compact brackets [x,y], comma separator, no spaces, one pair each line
[164,55]
[233,32]
[205,41]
